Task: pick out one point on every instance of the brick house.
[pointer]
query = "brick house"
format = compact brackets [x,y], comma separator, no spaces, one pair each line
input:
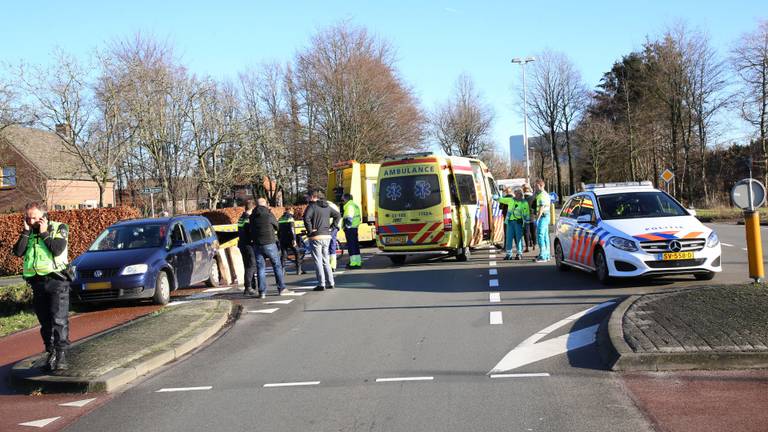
[36,166]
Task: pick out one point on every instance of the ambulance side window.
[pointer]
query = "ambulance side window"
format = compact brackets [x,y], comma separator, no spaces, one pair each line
[467,192]
[452,189]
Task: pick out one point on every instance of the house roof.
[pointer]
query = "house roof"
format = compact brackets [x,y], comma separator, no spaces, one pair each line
[46,151]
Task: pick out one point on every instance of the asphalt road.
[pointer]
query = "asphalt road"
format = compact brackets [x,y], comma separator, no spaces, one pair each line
[406,349]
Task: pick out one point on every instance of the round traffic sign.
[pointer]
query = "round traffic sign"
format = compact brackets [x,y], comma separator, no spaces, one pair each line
[740,194]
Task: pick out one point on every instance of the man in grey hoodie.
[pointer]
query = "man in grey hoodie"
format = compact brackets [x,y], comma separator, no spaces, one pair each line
[318,219]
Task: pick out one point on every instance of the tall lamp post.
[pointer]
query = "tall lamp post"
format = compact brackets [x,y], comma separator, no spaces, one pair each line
[522,61]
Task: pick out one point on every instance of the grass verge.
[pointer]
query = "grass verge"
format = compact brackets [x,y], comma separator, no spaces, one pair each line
[16,309]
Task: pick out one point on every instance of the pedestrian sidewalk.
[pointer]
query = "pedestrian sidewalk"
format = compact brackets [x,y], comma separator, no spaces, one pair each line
[714,327]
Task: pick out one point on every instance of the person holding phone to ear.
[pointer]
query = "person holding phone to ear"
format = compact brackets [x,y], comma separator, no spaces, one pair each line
[43,245]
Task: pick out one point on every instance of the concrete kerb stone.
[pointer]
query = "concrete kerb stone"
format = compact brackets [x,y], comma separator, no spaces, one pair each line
[25,374]
[620,357]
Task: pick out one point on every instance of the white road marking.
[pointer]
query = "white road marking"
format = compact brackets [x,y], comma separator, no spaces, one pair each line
[264,311]
[292,384]
[294,294]
[726,244]
[520,375]
[496,318]
[494,297]
[279,302]
[423,378]
[528,354]
[40,423]
[493,283]
[200,296]
[183,389]
[213,290]
[78,404]
[492,272]
[492,263]
[543,333]
[491,255]
[745,249]
[176,303]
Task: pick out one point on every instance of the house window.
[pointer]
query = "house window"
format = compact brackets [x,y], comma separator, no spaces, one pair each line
[8,178]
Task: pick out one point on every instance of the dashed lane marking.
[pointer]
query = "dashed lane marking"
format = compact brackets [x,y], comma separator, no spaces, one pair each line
[493,272]
[78,404]
[280,302]
[492,263]
[183,389]
[264,311]
[399,379]
[493,283]
[40,423]
[745,249]
[520,375]
[213,290]
[491,255]
[294,294]
[292,384]
[494,297]
[727,244]
[496,318]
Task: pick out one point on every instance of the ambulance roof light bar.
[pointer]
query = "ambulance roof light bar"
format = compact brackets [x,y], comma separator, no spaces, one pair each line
[593,186]
[409,155]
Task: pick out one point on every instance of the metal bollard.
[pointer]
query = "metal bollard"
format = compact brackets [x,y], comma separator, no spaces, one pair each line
[754,245]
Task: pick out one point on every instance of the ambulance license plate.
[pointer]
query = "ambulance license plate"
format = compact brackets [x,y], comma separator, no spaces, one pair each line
[98,286]
[670,256]
[397,240]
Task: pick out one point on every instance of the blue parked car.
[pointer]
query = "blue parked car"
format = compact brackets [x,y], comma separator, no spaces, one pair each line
[147,258]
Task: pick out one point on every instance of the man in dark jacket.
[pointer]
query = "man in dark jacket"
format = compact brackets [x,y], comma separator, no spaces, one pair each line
[318,219]
[288,242]
[245,244]
[263,226]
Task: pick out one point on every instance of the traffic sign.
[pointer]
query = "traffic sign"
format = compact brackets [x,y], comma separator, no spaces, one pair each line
[667,175]
[553,197]
[740,194]
[152,190]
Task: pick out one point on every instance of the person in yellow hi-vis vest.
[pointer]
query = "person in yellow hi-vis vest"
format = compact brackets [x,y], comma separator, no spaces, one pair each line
[352,217]
[43,245]
[333,247]
[518,214]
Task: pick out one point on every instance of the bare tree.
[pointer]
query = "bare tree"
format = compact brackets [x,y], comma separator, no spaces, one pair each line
[462,125]
[545,104]
[750,60]
[573,104]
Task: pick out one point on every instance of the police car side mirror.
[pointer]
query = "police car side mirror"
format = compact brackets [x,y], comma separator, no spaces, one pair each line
[691,212]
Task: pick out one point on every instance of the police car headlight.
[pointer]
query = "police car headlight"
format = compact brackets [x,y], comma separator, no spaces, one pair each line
[135,269]
[623,244]
[713,240]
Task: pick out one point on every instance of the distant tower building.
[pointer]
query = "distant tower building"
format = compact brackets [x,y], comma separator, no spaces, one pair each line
[516,150]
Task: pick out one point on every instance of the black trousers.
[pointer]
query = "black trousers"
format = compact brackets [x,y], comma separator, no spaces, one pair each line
[50,299]
[249,265]
[288,247]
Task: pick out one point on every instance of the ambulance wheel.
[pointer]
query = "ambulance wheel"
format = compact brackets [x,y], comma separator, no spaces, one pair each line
[704,276]
[397,260]
[601,267]
[559,258]
[463,254]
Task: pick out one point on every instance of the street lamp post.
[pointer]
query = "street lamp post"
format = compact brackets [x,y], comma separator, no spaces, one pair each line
[522,61]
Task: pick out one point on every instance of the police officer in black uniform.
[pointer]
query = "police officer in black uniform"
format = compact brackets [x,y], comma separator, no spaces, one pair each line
[245,244]
[286,235]
[43,245]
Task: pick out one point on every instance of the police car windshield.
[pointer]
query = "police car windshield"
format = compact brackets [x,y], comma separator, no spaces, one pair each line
[634,205]
[413,192]
[129,237]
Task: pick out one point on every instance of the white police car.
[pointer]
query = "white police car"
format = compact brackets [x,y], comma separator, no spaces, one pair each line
[631,229]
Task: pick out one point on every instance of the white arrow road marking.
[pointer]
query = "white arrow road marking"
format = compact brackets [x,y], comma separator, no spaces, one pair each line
[493,283]
[264,311]
[543,333]
[494,297]
[78,404]
[292,384]
[531,350]
[183,389]
[496,318]
[279,302]
[40,423]
[528,354]
[493,272]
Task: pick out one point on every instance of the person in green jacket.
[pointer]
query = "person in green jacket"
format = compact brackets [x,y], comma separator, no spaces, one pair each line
[518,214]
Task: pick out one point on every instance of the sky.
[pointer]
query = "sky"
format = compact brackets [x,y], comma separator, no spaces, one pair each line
[435,41]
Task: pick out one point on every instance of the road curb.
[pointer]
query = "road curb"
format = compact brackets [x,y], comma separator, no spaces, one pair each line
[619,356]
[25,376]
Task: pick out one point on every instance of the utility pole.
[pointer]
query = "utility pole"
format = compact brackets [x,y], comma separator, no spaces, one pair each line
[522,61]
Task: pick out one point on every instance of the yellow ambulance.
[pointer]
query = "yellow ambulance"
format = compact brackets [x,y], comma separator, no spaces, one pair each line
[359,180]
[432,204]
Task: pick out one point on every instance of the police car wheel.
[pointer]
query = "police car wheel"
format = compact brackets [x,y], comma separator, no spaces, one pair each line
[601,267]
[162,289]
[213,279]
[559,258]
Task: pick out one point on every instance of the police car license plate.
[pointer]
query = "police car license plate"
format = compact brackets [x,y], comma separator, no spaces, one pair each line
[98,286]
[669,256]
[397,240]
